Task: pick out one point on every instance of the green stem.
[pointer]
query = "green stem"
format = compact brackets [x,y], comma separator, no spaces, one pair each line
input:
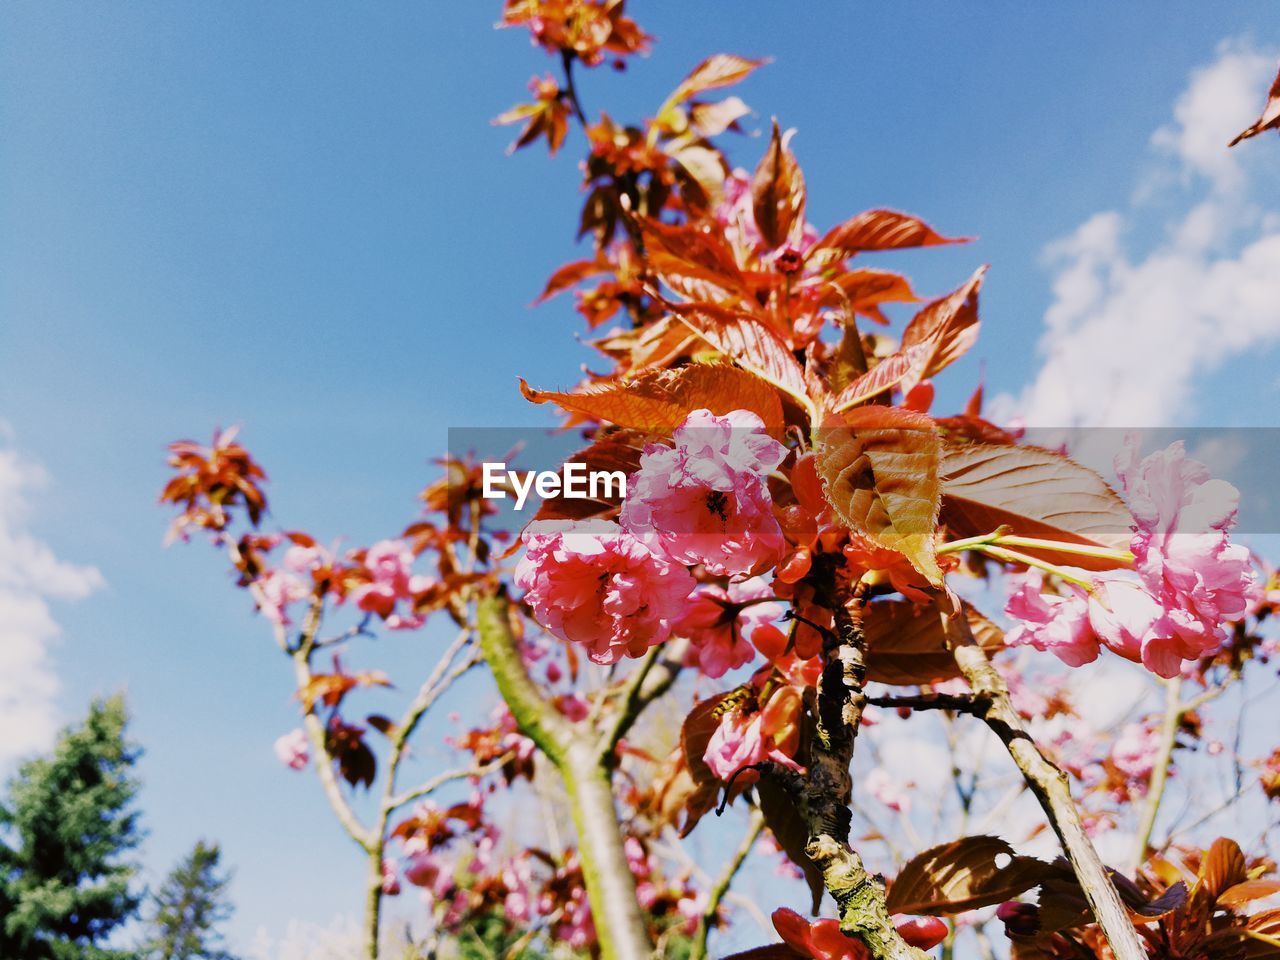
[583,767]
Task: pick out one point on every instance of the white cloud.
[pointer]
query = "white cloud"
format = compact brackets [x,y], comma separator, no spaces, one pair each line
[30,576]
[1127,338]
[337,940]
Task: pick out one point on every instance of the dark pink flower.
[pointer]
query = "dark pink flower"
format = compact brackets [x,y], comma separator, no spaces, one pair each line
[593,584]
[720,621]
[705,499]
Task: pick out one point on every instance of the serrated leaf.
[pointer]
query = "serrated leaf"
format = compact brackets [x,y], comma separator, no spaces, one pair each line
[792,833]
[861,290]
[879,467]
[945,330]
[570,275]
[888,373]
[713,119]
[718,70]
[1037,493]
[964,875]
[777,192]
[749,342]
[610,454]
[658,401]
[907,646]
[876,230]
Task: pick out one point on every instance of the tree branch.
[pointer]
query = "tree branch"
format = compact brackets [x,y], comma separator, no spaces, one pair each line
[1051,789]
[611,886]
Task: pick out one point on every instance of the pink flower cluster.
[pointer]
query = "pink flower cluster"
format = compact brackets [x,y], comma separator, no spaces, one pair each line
[743,739]
[705,499]
[293,750]
[620,589]
[391,579]
[592,584]
[1190,579]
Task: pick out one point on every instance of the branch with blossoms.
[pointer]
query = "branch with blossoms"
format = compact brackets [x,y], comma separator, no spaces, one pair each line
[783,573]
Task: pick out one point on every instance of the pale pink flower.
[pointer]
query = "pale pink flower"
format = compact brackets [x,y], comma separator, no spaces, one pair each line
[1124,615]
[517,876]
[591,583]
[293,750]
[705,499]
[892,793]
[300,559]
[719,623]
[1058,624]
[278,590]
[1134,753]
[1181,549]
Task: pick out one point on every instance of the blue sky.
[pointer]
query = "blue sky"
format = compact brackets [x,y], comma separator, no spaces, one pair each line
[298,218]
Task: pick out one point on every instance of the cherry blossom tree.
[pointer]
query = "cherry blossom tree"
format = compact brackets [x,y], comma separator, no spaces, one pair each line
[795,571]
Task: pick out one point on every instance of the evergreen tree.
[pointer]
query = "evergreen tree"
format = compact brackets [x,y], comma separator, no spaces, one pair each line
[65,828]
[188,909]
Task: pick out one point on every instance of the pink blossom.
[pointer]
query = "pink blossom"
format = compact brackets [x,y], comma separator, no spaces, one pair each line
[1124,616]
[517,876]
[742,740]
[390,879]
[705,499]
[720,621]
[292,749]
[591,583]
[1134,753]
[1058,624]
[277,590]
[424,869]
[1182,552]
[892,793]
[300,559]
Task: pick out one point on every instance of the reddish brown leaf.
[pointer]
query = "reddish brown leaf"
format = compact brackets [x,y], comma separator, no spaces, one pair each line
[570,275]
[888,373]
[964,875]
[879,467]
[876,230]
[1270,118]
[1247,891]
[777,192]
[906,644]
[861,290]
[330,688]
[1037,493]
[713,119]
[688,251]
[611,454]
[718,70]
[744,339]
[1223,867]
[658,401]
[946,328]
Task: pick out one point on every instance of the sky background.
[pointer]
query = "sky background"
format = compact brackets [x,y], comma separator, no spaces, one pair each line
[298,218]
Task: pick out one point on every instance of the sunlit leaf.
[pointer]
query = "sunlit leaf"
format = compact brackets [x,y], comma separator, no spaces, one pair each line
[658,401]
[964,875]
[879,466]
[1037,493]
[907,645]
[718,70]
[1270,118]
[777,192]
[945,329]
[876,230]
